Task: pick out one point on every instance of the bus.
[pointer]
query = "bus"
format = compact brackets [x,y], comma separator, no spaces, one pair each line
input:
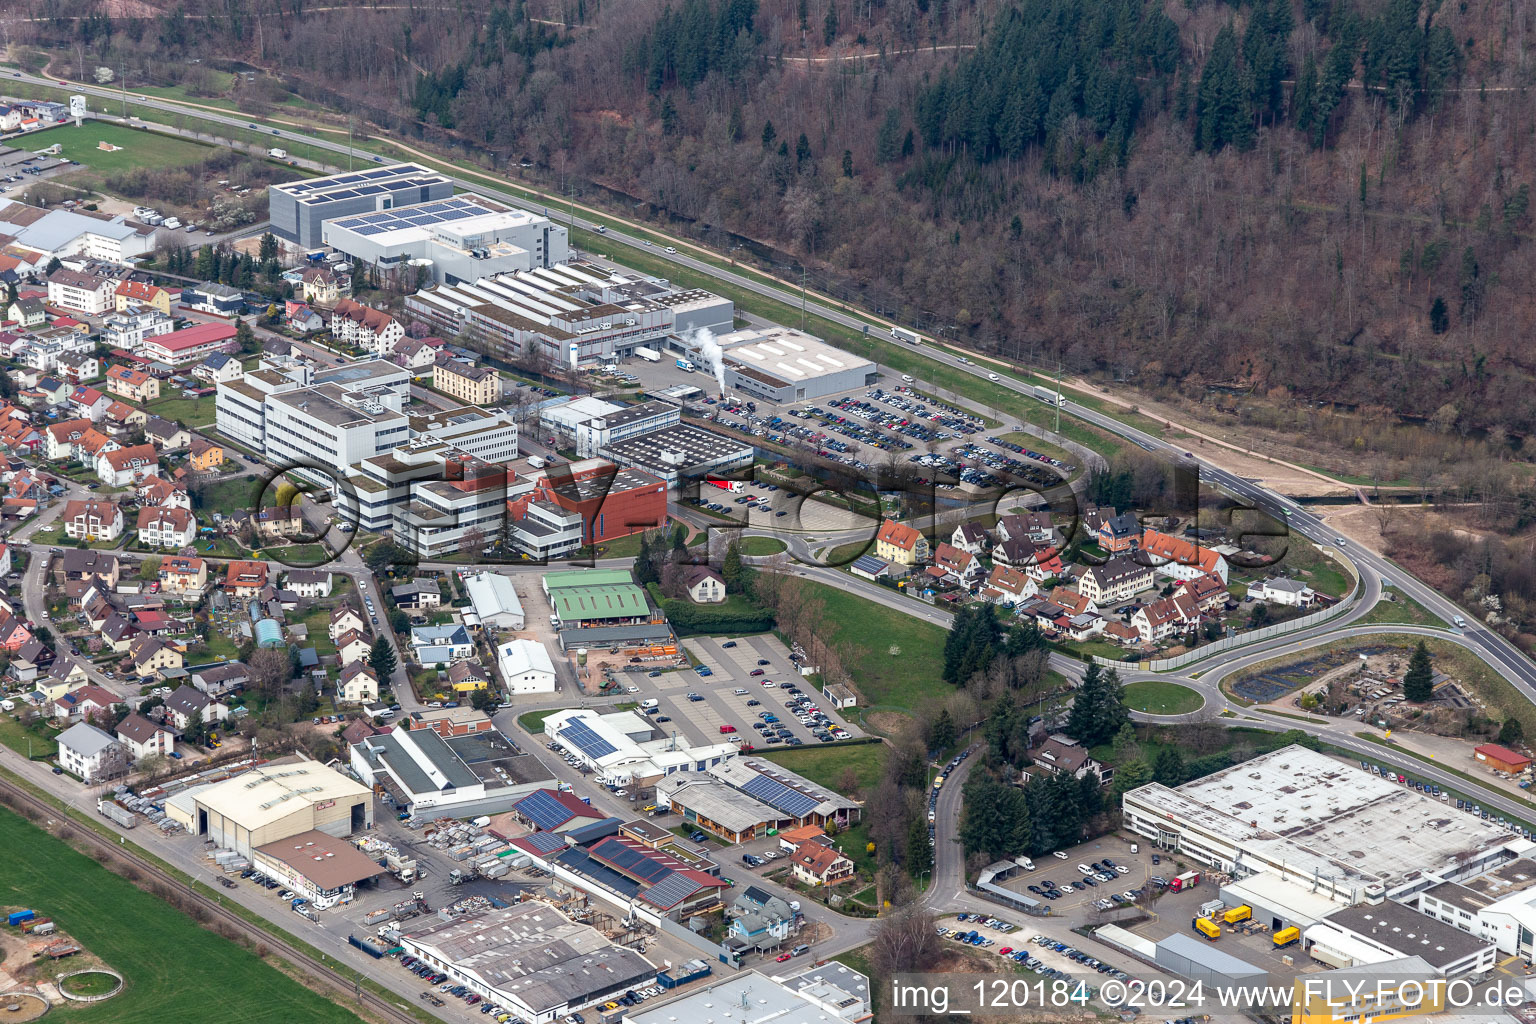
[902,334]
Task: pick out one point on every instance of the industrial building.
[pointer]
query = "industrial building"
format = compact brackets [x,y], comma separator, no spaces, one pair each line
[1375,933]
[780,365]
[818,994]
[278,800]
[61,234]
[696,310]
[525,667]
[1328,826]
[493,601]
[596,433]
[611,502]
[681,452]
[747,797]
[321,868]
[595,597]
[620,749]
[299,209]
[531,959]
[1198,960]
[460,776]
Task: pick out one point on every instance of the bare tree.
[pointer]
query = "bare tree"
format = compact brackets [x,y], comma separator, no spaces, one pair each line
[271,669]
[905,940]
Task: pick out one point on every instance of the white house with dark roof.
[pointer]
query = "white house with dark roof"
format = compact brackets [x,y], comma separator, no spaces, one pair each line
[91,754]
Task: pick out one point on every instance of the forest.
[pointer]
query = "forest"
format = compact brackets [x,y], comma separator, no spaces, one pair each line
[1309,200]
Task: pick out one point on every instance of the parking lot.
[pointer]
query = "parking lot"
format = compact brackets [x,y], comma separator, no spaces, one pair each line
[1078,904]
[730,695]
[769,506]
[1025,942]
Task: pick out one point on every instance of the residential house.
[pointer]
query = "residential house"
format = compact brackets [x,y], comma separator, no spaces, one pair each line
[14,634]
[357,684]
[141,293]
[93,444]
[417,353]
[1180,559]
[1166,617]
[152,656]
[346,619]
[1119,534]
[123,466]
[470,383]
[1062,755]
[310,583]
[302,318]
[84,703]
[88,402]
[1207,590]
[1035,527]
[961,567]
[703,584]
[130,329]
[1115,581]
[186,703]
[972,538]
[27,312]
[1072,601]
[91,294]
[76,564]
[422,593]
[219,368]
[897,542]
[91,754]
[1009,587]
[352,646]
[1122,633]
[144,738]
[321,286]
[78,367]
[157,490]
[92,520]
[441,645]
[1283,591]
[817,863]
[278,521]
[465,677]
[121,417]
[217,680]
[371,330]
[206,456]
[212,297]
[161,527]
[166,435]
[759,920]
[245,578]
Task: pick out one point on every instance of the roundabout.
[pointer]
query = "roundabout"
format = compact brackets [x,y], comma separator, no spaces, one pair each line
[1156,697]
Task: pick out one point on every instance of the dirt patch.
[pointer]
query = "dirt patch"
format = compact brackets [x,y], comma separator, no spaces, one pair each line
[887,723]
[29,962]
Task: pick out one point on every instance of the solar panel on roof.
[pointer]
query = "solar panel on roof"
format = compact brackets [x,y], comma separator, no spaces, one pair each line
[541,808]
[672,890]
[370,229]
[775,793]
[585,740]
[545,842]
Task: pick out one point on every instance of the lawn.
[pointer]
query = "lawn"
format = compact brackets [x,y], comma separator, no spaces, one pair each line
[533,722]
[318,621]
[761,546]
[217,647]
[22,740]
[1404,609]
[1160,698]
[189,412]
[300,556]
[825,765]
[226,494]
[148,940]
[896,660]
[139,148]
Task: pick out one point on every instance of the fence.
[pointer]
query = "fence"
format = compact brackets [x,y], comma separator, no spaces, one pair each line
[1242,639]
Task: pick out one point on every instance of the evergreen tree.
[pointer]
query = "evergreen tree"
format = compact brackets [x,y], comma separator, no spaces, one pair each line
[888,138]
[802,151]
[1419,680]
[645,567]
[829,25]
[996,819]
[1125,746]
[268,247]
[1439,316]
[1511,732]
[768,135]
[971,643]
[1098,709]
[919,853]
[1129,776]
[731,569]
[847,163]
[381,658]
[1169,767]
[1223,116]
[941,732]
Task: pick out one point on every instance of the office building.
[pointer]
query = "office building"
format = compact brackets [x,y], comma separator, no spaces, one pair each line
[299,209]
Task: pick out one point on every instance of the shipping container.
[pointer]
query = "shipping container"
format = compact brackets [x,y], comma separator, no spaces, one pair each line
[1237,914]
[1286,936]
[1206,927]
[118,813]
[367,947]
[16,917]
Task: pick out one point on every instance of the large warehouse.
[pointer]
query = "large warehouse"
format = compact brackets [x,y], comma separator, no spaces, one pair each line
[466,237]
[279,800]
[1330,827]
[781,364]
[531,959]
[620,750]
[461,776]
[321,868]
[298,209]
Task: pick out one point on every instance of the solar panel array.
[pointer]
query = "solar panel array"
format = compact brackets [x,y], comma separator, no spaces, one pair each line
[545,842]
[630,861]
[580,735]
[438,212]
[671,891]
[776,794]
[541,808]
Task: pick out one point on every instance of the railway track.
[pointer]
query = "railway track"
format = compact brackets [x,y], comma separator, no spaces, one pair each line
[380,1007]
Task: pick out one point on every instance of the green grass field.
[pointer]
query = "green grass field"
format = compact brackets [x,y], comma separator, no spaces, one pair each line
[23,740]
[896,660]
[1161,698]
[227,494]
[826,765]
[174,969]
[139,149]
[1405,609]
[760,546]
[533,722]
[189,412]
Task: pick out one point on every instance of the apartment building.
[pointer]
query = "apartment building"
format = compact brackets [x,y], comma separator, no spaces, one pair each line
[469,383]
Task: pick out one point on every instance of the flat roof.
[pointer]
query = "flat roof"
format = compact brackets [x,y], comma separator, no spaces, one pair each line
[1408,932]
[272,791]
[709,798]
[1325,816]
[753,998]
[324,403]
[1458,895]
[328,862]
[787,354]
[1298,901]
[689,444]
[1505,880]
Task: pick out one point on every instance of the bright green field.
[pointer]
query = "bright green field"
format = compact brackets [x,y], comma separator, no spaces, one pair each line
[825,765]
[866,632]
[140,149]
[1160,698]
[762,545]
[175,970]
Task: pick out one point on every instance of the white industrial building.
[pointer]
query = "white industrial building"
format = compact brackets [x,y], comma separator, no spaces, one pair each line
[1376,933]
[781,365]
[1328,826]
[493,601]
[299,209]
[559,418]
[460,776]
[620,749]
[278,800]
[595,434]
[461,238]
[525,667]
[531,959]
[63,234]
[825,993]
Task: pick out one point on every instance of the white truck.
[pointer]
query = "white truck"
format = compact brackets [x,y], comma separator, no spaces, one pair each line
[1049,397]
[277,154]
[650,355]
[902,334]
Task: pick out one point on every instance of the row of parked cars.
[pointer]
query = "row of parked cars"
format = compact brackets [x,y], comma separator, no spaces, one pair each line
[1099,871]
[1079,956]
